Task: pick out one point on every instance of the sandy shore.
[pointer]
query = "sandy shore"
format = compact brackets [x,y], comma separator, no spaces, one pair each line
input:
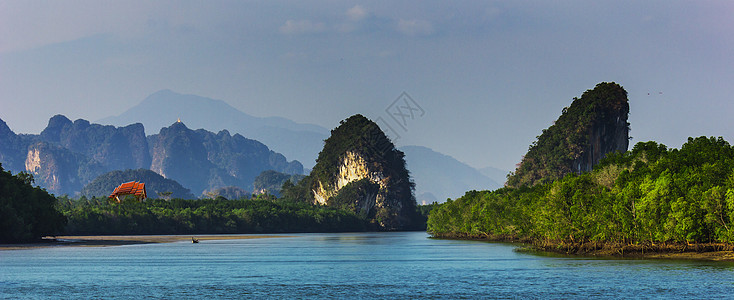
[116,240]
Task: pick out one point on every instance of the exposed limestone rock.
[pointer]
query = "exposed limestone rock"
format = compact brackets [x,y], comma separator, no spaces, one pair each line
[114,147]
[59,170]
[360,169]
[202,160]
[604,137]
[352,169]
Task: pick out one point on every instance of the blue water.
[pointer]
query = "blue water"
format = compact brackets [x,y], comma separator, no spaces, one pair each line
[348,265]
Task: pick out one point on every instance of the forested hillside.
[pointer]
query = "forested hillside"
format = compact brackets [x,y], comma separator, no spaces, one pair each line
[591,127]
[650,194]
[156,185]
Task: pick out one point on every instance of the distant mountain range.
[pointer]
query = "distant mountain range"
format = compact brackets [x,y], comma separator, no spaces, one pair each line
[498,175]
[438,176]
[297,141]
[68,155]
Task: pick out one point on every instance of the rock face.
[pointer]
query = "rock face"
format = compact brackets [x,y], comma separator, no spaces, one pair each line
[594,125]
[58,169]
[202,160]
[67,155]
[113,147]
[12,149]
[609,135]
[178,153]
[296,141]
[360,169]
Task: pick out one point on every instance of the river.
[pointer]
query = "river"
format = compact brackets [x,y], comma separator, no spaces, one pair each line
[393,265]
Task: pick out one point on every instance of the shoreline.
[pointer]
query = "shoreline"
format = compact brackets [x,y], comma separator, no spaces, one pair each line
[718,252]
[119,240]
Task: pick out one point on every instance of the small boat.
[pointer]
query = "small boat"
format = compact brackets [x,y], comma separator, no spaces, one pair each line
[195,241]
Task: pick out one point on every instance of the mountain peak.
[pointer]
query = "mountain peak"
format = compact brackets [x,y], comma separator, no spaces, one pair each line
[591,127]
[360,169]
[296,141]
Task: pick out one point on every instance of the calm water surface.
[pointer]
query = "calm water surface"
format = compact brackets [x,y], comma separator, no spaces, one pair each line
[348,265]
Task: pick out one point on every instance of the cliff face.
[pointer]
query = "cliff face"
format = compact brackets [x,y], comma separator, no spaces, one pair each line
[610,135]
[360,169]
[114,147]
[67,155]
[353,168]
[59,170]
[202,160]
[12,149]
[179,154]
[594,125]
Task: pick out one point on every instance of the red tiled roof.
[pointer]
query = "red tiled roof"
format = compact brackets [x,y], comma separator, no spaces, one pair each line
[130,188]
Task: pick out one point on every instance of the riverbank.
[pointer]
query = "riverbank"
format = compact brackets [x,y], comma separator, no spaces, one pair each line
[683,251]
[117,240]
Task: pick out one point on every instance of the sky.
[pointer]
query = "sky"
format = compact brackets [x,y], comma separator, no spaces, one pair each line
[483,77]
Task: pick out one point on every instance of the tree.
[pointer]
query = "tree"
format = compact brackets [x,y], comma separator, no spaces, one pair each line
[27,213]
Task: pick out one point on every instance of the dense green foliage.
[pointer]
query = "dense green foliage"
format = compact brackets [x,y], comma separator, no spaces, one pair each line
[227,192]
[345,199]
[271,181]
[553,154]
[263,214]
[298,192]
[360,135]
[391,204]
[650,194]
[154,184]
[27,213]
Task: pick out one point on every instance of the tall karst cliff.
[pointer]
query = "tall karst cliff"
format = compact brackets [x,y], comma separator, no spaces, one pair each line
[12,149]
[594,125]
[114,147]
[360,169]
[58,169]
[68,155]
[202,160]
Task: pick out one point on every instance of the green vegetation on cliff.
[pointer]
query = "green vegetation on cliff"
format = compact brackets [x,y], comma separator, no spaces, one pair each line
[271,181]
[360,135]
[592,126]
[650,194]
[360,169]
[27,213]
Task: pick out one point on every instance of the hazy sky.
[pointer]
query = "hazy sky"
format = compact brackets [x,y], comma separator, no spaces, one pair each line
[488,75]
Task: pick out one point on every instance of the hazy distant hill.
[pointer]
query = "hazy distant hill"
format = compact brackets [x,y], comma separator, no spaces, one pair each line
[297,141]
[498,175]
[438,176]
[201,160]
[68,155]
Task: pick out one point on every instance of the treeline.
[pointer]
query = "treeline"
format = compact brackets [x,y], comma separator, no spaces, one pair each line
[262,214]
[26,212]
[650,194]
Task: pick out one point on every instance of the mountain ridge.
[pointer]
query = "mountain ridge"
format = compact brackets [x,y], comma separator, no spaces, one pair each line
[67,155]
[297,141]
[442,176]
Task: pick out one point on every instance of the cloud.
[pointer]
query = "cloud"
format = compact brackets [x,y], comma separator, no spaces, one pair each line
[357,13]
[302,27]
[415,27]
[27,24]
